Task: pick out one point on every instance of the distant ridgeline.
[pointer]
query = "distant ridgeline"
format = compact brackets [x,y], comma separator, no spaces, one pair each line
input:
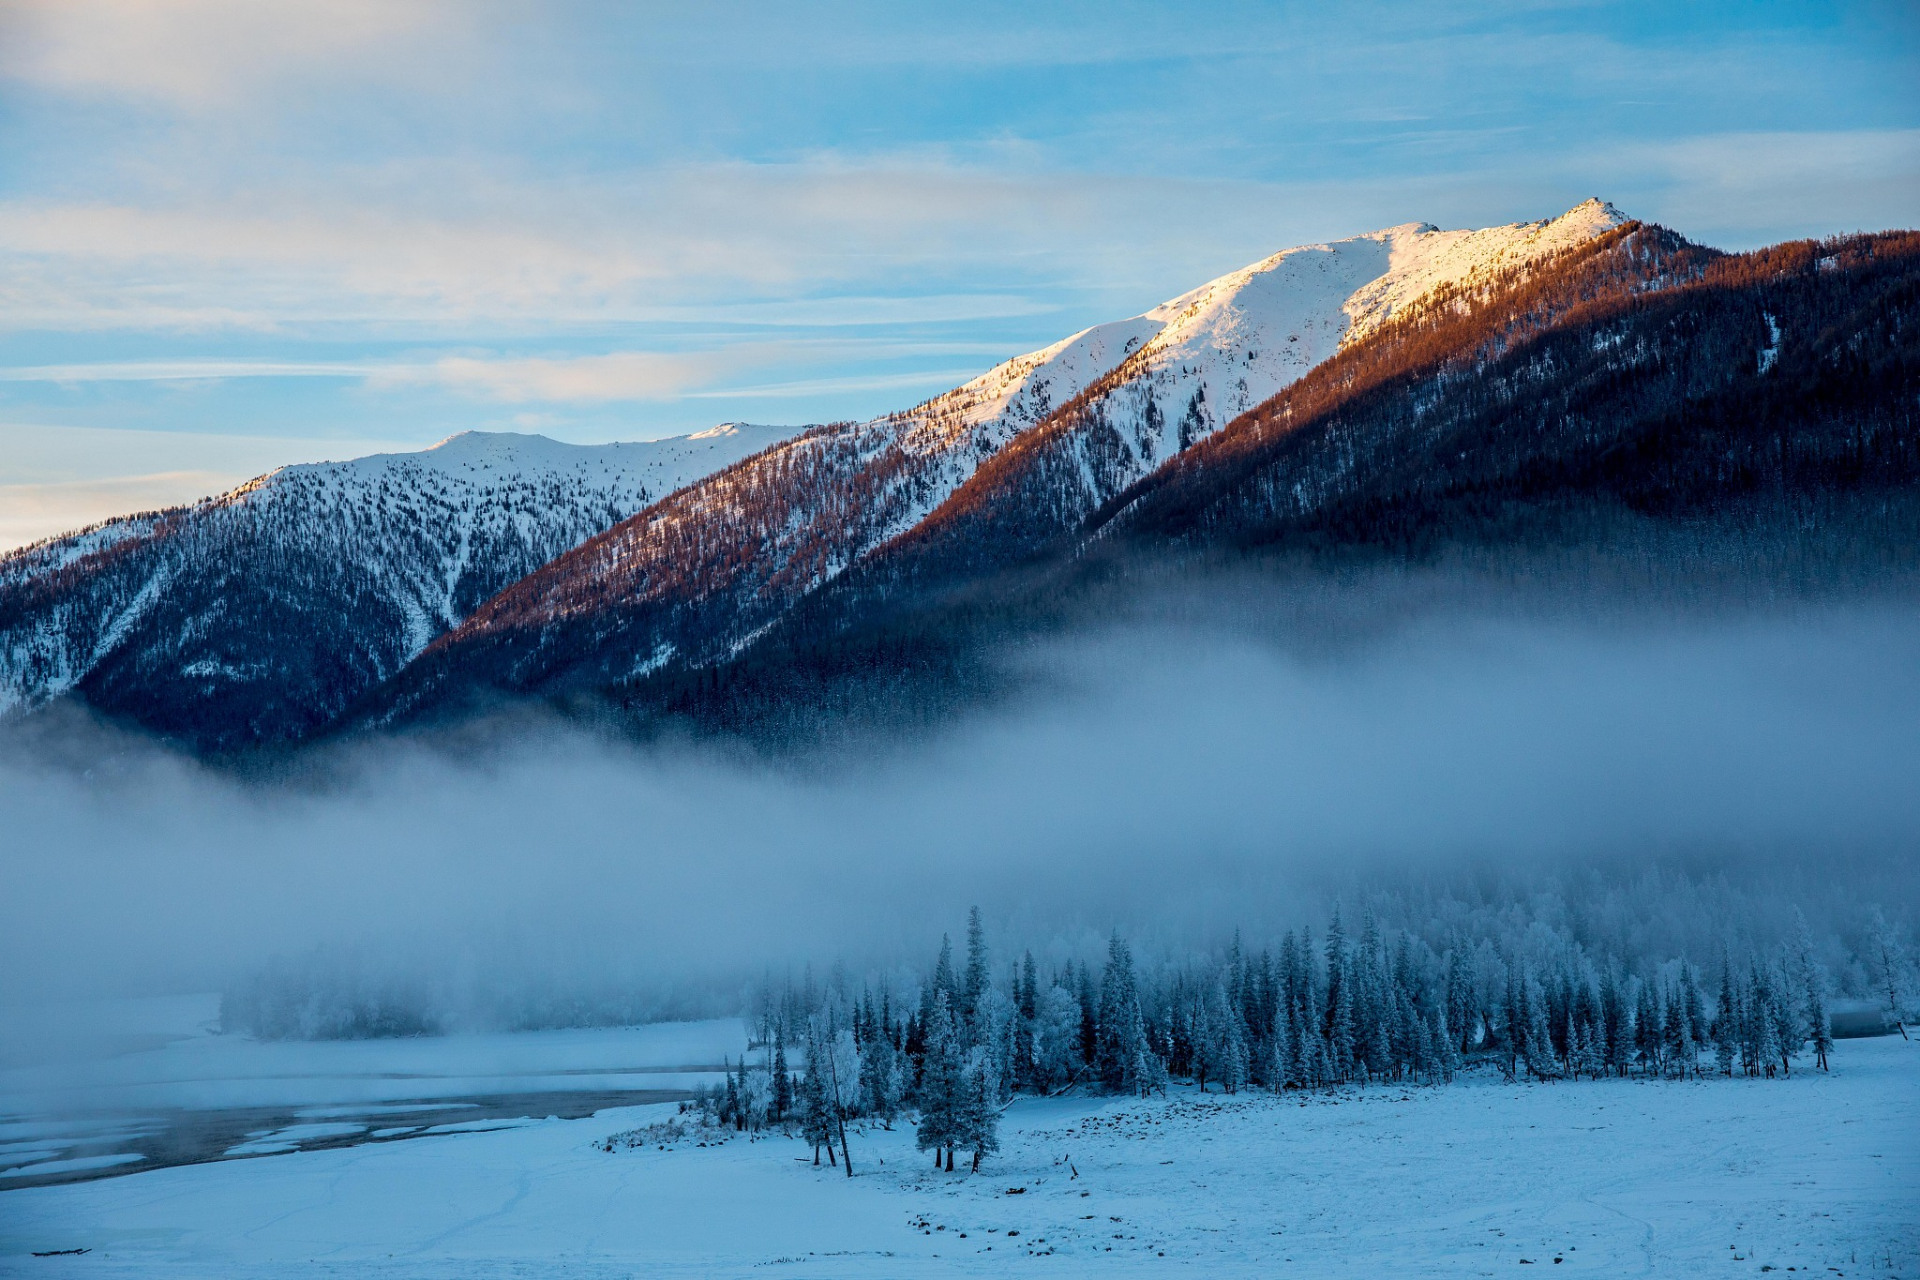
[1583,381]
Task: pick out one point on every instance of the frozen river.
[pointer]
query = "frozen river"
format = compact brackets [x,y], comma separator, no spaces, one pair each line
[111,1089]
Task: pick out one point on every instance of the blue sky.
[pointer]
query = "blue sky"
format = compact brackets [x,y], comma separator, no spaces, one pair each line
[235,234]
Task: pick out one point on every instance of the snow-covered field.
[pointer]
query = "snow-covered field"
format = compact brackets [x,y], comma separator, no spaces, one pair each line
[1715,1178]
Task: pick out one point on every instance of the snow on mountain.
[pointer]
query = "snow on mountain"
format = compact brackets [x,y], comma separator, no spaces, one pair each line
[1209,355]
[304,586]
[698,577]
[328,579]
[1236,341]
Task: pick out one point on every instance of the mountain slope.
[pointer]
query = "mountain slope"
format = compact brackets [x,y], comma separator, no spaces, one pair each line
[1118,433]
[1651,378]
[693,580]
[256,616]
[1687,413]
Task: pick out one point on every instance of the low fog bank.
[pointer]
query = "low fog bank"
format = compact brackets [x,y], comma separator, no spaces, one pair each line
[1173,778]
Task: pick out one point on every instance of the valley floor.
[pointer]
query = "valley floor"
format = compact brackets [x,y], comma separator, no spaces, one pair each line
[1717,1178]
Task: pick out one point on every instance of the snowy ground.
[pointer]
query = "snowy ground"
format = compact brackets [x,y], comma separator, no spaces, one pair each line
[1624,1178]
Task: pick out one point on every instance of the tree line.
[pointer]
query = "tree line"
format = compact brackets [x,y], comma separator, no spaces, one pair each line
[1342,1008]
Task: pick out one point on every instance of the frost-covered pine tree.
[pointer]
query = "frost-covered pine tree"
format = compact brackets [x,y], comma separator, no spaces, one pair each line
[1536,1038]
[977,1125]
[1089,1016]
[816,1113]
[1729,1020]
[1887,958]
[1025,1052]
[730,1111]
[881,1077]
[1763,1021]
[1222,1042]
[1647,1020]
[1694,1024]
[943,981]
[1615,1050]
[1813,993]
[782,1100]
[1119,1035]
[974,987]
[940,1085]
[1340,1029]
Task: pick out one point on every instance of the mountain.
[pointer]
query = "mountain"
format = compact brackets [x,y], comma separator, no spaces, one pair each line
[695,579]
[1583,381]
[1682,414]
[257,616]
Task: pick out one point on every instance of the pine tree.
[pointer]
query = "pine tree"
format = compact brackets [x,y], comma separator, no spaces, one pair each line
[1813,989]
[1338,1024]
[881,1076]
[1025,1050]
[1728,1019]
[1676,1037]
[1116,1046]
[1614,1049]
[782,1082]
[816,1120]
[1459,999]
[940,1085]
[978,1127]
[943,980]
[1089,1017]
[1340,1030]
[842,1052]
[978,977]
[730,1110]
[1887,958]
[1695,1021]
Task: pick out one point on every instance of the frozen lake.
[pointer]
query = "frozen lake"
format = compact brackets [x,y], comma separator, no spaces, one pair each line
[109,1089]
[1819,1173]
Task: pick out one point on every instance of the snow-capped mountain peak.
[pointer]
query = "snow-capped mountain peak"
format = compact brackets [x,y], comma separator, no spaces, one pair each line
[286,597]
[1220,349]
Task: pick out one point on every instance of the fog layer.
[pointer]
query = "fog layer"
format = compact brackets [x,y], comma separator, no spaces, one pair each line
[1177,779]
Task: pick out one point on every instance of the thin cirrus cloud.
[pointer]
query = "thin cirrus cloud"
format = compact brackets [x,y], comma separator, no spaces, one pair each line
[186,370]
[620,375]
[204,54]
[400,218]
[825,241]
[588,379]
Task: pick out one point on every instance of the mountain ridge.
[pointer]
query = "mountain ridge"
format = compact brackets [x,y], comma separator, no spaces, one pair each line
[648,593]
[1389,391]
[257,614]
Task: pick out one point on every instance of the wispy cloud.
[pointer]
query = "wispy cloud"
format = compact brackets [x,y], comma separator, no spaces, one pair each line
[188,370]
[624,375]
[202,54]
[578,206]
[929,379]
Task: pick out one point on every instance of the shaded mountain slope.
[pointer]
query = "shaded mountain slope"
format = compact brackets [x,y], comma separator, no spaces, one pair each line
[255,617]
